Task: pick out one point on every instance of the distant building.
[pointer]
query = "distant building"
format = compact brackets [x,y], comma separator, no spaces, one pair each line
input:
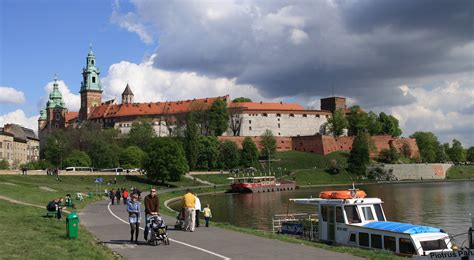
[18,145]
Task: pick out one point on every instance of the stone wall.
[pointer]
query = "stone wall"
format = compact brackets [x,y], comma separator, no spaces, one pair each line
[283,143]
[429,171]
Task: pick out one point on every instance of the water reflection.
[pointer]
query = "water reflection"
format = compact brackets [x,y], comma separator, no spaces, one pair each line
[442,204]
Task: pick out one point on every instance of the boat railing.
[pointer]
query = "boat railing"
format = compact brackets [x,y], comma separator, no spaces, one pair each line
[304,225]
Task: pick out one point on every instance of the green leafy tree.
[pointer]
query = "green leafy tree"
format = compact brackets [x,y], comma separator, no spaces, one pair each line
[374,125]
[77,159]
[249,154]
[208,152]
[105,155]
[57,148]
[405,150]
[218,117]
[441,153]
[241,99]
[470,154]
[229,155]
[389,125]
[191,141]
[268,144]
[4,165]
[389,155]
[166,160]
[132,157]
[38,165]
[456,153]
[428,145]
[141,134]
[337,123]
[358,121]
[359,155]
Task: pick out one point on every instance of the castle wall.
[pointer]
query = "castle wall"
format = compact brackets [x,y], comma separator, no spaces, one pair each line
[284,143]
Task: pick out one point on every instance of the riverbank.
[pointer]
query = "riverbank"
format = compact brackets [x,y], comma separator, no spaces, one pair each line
[461,172]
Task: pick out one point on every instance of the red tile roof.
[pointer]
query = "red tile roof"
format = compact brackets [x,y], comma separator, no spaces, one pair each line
[155,108]
[266,106]
[71,116]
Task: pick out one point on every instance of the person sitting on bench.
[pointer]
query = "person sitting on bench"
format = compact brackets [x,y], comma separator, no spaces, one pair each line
[55,206]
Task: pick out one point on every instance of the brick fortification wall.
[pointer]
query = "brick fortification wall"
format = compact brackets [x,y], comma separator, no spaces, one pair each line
[283,143]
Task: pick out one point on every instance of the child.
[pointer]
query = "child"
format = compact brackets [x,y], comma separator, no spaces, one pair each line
[207,214]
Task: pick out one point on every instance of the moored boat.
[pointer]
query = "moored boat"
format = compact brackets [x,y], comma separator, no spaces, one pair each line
[259,184]
[350,218]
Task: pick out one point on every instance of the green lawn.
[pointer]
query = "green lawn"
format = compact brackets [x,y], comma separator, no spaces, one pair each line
[461,172]
[294,160]
[318,176]
[27,235]
[214,178]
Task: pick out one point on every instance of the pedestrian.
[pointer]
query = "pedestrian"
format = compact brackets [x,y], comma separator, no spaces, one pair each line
[207,214]
[152,207]
[55,205]
[133,208]
[189,204]
[197,208]
[118,195]
[138,192]
[125,196]
[112,196]
[115,180]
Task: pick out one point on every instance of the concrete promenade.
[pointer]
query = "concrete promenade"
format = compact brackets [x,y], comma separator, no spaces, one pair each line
[110,224]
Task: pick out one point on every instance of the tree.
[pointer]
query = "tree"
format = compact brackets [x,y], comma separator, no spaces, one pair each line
[77,159]
[241,99]
[57,148]
[104,154]
[249,154]
[441,153]
[191,142]
[428,145]
[208,152]
[218,117]
[166,160]
[374,125]
[358,121]
[470,154]
[337,123]
[235,121]
[456,153]
[389,155]
[141,134]
[132,157]
[359,155]
[4,165]
[268,144]
[229,155]
[405,150]
[389,125]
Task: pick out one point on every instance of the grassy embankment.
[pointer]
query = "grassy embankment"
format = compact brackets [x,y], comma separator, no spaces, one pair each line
[23,227]
[461,172]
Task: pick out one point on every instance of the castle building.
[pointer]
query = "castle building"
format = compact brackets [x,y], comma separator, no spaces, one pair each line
[18,145]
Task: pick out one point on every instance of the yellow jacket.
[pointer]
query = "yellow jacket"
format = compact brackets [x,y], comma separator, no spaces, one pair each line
[207,212]
[189,200]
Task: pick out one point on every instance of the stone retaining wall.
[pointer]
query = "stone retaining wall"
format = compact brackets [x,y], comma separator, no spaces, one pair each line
[428,171]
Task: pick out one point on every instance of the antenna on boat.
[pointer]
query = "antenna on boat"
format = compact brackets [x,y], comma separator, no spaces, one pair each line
[353,191]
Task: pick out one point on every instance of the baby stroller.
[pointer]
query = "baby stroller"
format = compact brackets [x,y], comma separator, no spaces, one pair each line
[180,221]
[157,231]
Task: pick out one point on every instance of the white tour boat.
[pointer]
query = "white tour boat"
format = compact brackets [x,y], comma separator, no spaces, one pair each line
[349,218]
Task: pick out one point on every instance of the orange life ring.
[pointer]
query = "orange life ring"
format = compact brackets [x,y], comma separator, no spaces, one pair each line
[342,194]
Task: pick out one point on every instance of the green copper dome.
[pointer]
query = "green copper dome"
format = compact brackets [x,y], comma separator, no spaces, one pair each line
[43,114]
[55,97]
[90,75]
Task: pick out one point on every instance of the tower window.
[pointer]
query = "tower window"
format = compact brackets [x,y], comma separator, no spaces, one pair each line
[92,62]
[93,79]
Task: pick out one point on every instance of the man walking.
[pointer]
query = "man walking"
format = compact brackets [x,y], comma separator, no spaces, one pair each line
[197,208]
[189,204]
[152,207]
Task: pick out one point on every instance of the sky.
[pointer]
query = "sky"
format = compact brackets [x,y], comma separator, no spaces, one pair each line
[412,59]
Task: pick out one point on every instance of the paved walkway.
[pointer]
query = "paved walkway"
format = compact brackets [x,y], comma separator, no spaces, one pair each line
[109,224]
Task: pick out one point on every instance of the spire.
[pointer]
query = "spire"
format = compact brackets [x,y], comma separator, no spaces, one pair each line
[127,91]
[90,74]
[55,97]
[91,53]
[127,95]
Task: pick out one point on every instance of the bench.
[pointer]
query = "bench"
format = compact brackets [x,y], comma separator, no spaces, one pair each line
[51,214]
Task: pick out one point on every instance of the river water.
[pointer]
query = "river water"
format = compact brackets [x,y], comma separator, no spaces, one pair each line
[441,204]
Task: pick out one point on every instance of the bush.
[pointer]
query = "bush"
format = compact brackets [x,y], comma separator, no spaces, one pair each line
[78,159]
[4,165]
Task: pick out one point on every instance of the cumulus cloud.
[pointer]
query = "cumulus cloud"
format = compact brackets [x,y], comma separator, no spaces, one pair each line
[72,100]
[11,95]
[19,117]
[150,84]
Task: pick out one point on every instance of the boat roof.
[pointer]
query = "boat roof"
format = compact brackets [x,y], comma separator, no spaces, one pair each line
[402,227]
[355,201]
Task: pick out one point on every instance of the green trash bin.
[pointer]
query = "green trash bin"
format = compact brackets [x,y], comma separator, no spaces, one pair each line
[72,225]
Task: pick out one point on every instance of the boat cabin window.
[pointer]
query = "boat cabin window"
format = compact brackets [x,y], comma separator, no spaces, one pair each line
[406,246]
[324,213]
[368,213]
[433,245]
[376,241]
[379,212]
[352,215]
[390,243]
[352,238]
[364,239]
[339,215]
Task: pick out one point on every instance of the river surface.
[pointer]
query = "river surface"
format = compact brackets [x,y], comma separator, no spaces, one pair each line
[441,204]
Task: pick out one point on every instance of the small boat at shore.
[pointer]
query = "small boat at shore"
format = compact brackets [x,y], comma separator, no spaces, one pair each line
[351,218]
[258,184]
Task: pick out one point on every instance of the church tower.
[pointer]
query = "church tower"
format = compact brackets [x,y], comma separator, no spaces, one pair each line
[55,108]
[127,95]
[91,89]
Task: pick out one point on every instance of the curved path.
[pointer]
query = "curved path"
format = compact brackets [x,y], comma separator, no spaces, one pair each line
[109,224]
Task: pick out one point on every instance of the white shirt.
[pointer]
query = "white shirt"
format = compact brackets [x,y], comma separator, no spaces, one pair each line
[197,205]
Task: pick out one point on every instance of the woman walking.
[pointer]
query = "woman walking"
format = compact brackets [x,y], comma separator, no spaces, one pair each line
[133,208]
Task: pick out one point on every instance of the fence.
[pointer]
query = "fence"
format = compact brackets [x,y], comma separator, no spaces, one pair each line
[303,225]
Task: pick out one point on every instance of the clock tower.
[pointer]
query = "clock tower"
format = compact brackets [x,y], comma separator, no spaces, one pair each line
[91,88]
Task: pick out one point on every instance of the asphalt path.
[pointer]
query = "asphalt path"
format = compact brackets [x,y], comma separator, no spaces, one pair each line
[109,223]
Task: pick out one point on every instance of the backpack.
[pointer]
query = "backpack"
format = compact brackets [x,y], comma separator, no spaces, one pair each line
[51,206]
